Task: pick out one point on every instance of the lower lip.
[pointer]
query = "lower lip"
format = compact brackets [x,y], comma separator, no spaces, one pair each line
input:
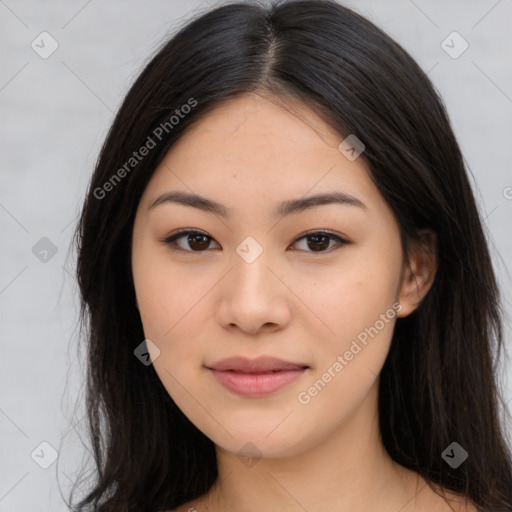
[256,385]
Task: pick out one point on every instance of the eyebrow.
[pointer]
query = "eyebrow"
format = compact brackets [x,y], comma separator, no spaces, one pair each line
[285,208]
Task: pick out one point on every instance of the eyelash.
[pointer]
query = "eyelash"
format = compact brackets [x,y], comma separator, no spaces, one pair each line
[170,241]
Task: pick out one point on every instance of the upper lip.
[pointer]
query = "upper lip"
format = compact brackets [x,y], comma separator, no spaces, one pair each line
[258,365]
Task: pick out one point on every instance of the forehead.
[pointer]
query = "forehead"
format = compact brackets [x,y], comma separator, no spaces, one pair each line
[252,148]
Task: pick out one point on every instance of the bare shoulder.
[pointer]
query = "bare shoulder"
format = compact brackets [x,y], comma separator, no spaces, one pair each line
[430,497]
[456,503]
[463,504]
[460,503]
[449,502]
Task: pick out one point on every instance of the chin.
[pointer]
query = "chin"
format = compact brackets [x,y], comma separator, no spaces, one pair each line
[258,441]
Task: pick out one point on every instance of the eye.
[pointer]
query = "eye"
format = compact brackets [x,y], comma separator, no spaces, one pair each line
[320,241]
[197,241]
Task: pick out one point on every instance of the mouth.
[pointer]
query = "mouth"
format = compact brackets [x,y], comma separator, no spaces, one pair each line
[262,364]
[258,377]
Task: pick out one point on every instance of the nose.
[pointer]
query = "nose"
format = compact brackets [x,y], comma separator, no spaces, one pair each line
[253,297]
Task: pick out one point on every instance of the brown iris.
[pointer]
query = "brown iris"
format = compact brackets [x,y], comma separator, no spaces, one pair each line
[198,242]
[317,244]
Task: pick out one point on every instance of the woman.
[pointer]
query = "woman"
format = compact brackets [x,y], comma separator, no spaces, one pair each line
[289,295]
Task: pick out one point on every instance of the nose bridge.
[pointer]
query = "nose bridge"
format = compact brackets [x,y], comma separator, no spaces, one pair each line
[252,296]
[251,263]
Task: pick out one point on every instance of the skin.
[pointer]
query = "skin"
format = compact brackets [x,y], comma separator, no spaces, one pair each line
[250,153]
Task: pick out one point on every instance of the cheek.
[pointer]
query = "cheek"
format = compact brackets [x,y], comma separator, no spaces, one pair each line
[166,295]
[175,309]
[351,297]
[349,362]
[356,303]
[157,304]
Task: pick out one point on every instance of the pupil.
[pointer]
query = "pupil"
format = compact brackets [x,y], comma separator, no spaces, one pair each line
[318,245]
[195,242]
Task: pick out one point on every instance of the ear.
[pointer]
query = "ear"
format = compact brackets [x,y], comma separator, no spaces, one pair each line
[419,275]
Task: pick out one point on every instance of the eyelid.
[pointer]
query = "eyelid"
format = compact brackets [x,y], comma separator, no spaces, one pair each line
[169,240]
[341,241]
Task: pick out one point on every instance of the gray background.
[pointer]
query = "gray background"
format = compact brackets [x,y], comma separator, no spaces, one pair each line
[55,114]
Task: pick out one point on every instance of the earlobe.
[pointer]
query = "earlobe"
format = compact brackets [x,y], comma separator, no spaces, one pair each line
[419,274]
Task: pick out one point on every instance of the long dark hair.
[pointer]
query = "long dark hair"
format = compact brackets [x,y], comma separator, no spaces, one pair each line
[438,384]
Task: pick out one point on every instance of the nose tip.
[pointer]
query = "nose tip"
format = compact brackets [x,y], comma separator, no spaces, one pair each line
[252,299]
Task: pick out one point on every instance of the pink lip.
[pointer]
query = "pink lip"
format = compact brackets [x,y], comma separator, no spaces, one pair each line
[257,377]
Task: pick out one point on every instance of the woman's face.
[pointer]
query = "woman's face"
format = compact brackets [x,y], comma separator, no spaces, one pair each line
[255,285]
